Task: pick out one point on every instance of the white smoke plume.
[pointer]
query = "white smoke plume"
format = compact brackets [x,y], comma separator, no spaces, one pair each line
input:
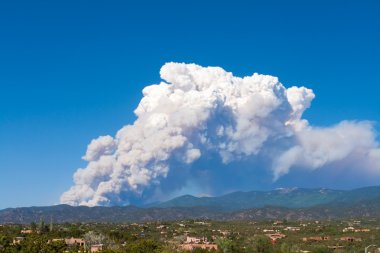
[199,112]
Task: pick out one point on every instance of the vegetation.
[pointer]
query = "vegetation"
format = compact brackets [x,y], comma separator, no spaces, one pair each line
[169,237]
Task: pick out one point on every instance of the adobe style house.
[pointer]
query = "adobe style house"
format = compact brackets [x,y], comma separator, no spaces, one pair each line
[75,242]
[96,248]
[192,246]
[275,237]
[18,240]
[292,229]
[362,230]
[351,239]
[192,243]
[26,231]
[315,238]
[56,240]
[190,239]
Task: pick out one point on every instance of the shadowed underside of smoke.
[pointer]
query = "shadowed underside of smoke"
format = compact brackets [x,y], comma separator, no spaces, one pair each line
[204,130]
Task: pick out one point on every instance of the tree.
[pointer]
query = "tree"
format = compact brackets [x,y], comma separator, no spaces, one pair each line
[33,227]
[51,224]
[262,244]
[224,244]
[4,242]
[285,248]
[144,246]
[41,224]
[322,249]
[54,247]
[92,238]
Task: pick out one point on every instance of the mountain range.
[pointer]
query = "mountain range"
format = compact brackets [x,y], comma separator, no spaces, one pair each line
[284,203]
[283,197]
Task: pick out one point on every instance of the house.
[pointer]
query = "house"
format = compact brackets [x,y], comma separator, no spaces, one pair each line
[26,231]
[201,223]
[275,237]
[96,248]
[292,229]
[351,239]
[315,238]
[56,240]
[362,230]
[223,232]
[75,242]
[190,239]
[193,246]
[18,240]
[348,229]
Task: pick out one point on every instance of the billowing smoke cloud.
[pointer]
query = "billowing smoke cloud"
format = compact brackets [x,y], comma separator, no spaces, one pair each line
[205,113]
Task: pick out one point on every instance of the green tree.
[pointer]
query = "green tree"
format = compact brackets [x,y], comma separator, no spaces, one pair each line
[322,249]
[4,243]
[144,246]
[33,226]
[225,245]
[51,224]
[262,244]
[285,248]
[92,238]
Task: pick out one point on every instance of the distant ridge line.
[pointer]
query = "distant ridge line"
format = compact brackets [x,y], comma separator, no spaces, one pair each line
[299,204]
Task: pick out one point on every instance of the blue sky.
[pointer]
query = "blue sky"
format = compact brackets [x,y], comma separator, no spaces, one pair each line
[73,70]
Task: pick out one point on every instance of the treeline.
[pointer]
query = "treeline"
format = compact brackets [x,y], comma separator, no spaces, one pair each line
[42,244]
[170,237]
